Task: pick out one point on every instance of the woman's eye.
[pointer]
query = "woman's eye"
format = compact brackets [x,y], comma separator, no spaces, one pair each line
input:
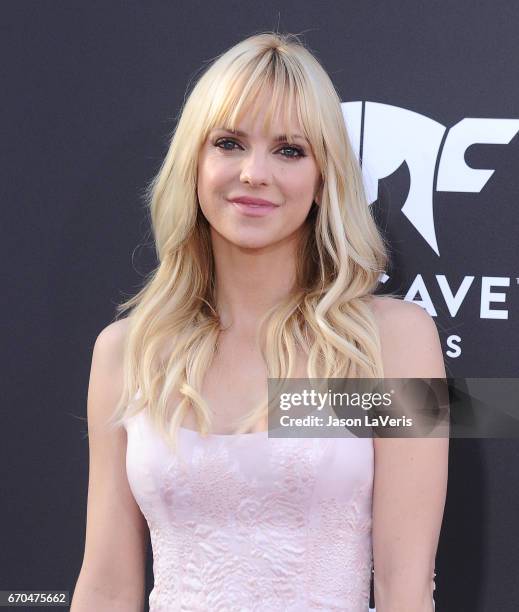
[299,152]
[225,141]
[296,152]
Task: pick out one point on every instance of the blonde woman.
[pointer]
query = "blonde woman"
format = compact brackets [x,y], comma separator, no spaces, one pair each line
[268,261]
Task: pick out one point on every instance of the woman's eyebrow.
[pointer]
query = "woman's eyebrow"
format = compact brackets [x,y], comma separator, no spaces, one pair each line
[279,138]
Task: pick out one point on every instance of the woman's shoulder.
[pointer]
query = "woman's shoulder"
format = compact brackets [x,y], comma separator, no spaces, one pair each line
[111,340]
[117,330]
[409,339]
[394,309]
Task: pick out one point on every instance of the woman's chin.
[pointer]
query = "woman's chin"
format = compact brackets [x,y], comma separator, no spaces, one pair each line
[252,244]
[249,240]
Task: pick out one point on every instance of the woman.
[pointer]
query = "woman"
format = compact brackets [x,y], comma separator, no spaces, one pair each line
[269,258]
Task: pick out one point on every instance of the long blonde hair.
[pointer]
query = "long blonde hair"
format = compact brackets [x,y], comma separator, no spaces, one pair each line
[174,326]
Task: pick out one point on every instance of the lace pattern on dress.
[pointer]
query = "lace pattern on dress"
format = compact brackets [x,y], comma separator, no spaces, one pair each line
[246,524]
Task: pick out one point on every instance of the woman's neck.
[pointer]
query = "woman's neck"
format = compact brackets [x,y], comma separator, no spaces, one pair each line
[251,281]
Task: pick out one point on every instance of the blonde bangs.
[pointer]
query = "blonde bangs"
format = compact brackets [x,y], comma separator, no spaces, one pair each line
[245,91]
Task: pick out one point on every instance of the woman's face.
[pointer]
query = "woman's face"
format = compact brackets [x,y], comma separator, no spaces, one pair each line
[253,164]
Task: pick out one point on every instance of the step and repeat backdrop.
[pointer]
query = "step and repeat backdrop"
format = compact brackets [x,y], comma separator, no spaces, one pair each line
[91,91]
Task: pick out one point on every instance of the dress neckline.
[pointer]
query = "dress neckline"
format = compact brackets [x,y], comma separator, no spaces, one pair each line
[210,435]
[214,435]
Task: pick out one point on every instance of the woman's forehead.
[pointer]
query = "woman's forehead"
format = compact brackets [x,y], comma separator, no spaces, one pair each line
[270,121]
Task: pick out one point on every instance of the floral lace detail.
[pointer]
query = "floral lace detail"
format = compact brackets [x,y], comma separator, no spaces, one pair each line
[246,524]
[342,536]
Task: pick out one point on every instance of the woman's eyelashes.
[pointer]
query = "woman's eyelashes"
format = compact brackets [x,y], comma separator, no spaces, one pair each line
[285,147]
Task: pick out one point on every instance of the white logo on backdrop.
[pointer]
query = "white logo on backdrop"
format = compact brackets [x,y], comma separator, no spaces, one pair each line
[392,135]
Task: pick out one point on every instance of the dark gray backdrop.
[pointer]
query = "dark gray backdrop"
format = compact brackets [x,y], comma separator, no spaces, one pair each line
[90,94]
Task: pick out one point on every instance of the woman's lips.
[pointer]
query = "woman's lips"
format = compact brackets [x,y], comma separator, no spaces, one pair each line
[253,210]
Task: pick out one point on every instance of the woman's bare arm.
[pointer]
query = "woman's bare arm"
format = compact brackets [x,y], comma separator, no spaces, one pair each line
[410,473]
[112,576]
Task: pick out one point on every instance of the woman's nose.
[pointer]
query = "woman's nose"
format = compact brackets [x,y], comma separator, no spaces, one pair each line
[255,169]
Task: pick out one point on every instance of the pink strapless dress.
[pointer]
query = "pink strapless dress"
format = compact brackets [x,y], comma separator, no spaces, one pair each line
[252,523]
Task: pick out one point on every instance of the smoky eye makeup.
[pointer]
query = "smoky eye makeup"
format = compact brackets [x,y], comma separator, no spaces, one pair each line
[220,142]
